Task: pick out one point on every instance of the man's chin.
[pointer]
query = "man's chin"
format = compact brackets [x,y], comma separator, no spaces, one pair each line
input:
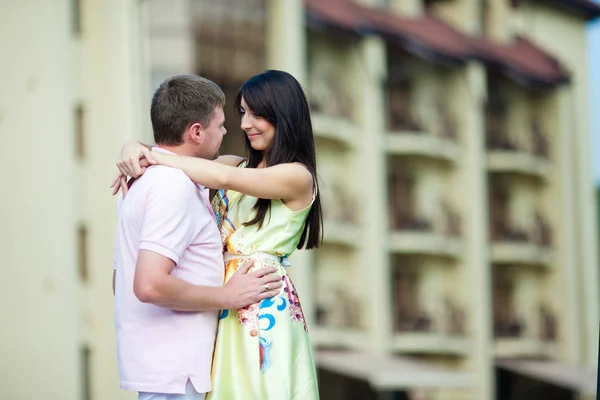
[211,157]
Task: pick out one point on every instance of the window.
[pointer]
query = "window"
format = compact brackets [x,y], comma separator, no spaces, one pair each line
[79,126]
[76,17]
[82,252]
[85,360]
[408,313]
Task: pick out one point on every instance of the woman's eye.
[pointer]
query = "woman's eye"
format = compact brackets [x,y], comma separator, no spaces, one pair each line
[242,111]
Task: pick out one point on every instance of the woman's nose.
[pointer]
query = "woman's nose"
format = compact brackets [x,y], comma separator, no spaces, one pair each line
[245,123]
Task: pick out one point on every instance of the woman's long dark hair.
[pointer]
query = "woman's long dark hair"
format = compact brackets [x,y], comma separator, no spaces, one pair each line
[278,97]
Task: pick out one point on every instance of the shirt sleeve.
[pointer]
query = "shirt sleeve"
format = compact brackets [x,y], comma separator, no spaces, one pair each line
[170,220]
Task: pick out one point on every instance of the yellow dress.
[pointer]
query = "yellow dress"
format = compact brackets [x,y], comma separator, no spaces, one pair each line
[263,351]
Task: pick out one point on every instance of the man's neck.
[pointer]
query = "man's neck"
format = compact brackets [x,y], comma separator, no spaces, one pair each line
[180,150]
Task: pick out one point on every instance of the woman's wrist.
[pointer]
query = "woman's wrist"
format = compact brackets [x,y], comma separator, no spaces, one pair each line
[157,157]
[148,146]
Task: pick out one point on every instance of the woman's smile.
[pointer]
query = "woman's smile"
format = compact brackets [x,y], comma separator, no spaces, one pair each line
[252,136]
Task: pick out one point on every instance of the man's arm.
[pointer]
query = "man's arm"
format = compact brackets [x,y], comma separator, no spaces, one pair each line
[173,217]
[153,283]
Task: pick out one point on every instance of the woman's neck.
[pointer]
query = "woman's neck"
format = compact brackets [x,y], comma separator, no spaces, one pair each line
[263,162]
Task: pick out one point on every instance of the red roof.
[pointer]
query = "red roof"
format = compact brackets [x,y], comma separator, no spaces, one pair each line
[426,31]
[520,60]
[340,13]
[347,14]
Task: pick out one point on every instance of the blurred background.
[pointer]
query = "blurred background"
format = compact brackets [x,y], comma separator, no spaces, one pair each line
[455,156]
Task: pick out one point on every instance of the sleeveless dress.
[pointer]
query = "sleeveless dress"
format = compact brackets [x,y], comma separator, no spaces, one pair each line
[263,351]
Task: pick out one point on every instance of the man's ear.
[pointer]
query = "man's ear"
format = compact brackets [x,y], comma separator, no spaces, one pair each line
[195,132]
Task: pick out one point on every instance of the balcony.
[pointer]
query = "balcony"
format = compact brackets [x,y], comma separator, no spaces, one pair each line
[340,226]
[331,107]
[517,162]
[407,136]
[337,130]
[416,143]
[521,253]
[450,340]
[524,348]
[511,245]
[343,338]
[507,156]
[341,233]
[401,116]
[430,343]
[424,242]
[512,341]
[411,234]
[338,322]
[419,333]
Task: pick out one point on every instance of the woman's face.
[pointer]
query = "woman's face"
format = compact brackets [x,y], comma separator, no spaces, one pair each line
[260,132]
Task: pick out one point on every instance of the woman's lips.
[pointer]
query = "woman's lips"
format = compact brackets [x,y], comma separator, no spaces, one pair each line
[252,136]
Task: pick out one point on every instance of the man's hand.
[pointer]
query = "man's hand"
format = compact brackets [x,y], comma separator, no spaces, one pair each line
[245,288]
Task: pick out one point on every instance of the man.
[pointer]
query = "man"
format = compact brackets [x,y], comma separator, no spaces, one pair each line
[168,278]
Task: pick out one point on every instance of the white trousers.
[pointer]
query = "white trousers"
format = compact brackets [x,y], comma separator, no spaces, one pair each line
[190,394]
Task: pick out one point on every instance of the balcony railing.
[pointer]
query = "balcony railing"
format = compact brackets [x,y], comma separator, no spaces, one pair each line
[448,128]
[341,311]
[455,318]
[412,223]
[496,130]
[452,221]
[539,141]
[507,324]
[548,325]
[330,97]
[404,217]
[401,114]
[340,205]
[407,321]
[505,232]
[542,232]
[498,139]
[408,315]
[509,328]
[517,245]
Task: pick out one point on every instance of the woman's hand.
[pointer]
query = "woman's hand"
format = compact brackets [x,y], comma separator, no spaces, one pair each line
[135,157]
[131,155]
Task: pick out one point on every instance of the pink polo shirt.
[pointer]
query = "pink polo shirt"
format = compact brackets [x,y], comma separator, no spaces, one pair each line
[159,349]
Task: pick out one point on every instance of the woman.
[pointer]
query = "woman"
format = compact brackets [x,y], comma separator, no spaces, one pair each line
[267,207]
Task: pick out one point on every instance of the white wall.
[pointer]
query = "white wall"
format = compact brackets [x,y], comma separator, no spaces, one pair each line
[38,337]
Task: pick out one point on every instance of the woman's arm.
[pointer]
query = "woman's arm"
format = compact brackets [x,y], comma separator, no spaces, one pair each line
[290,181]
[230,160]
[133,152]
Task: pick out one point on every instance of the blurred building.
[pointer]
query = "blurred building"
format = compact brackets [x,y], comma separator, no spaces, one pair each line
[460,251]
[456,171]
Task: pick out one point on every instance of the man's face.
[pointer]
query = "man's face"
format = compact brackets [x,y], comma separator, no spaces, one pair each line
[212,135]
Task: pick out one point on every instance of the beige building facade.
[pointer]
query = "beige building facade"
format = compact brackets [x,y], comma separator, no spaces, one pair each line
[459,257]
